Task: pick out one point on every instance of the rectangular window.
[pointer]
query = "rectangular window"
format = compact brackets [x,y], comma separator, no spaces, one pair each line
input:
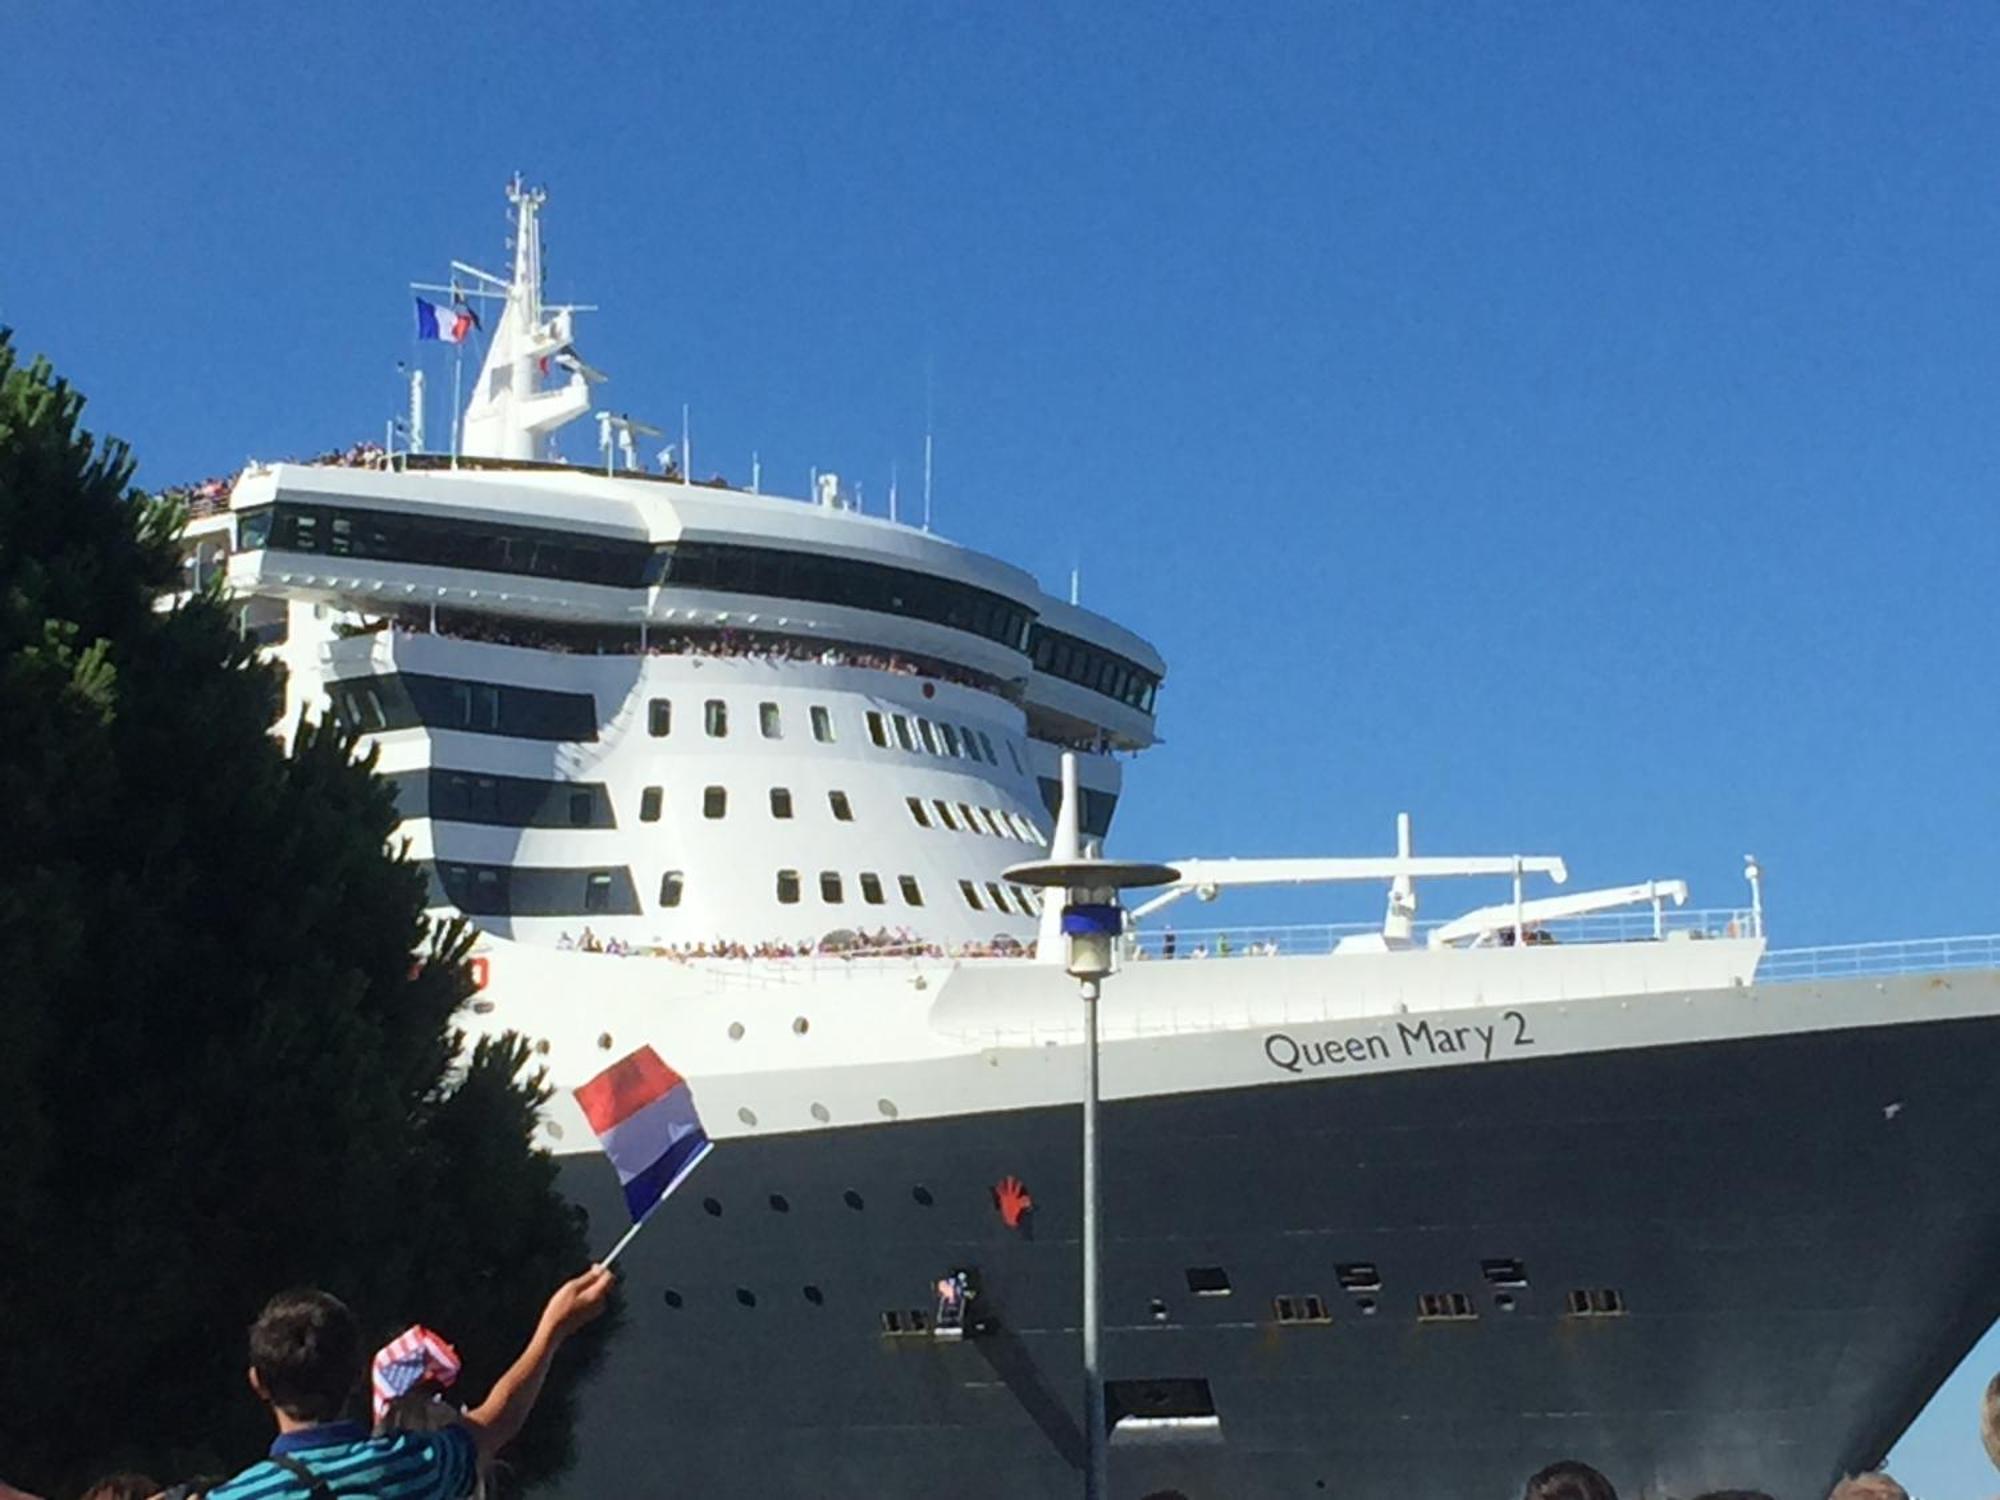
[929,735]
[871,887]
[1023,830]
[996,895]
[916,806]
[971,741]
[951,745]
[986,749]
[829,887]
[768,723]
[597,891]
[944,814]
[968,817]
[1025,899]
[659,718]
[788,887]
[649,804]
[781,802]
[903,736]
[992,821]
[822,724]
[671,885]
[842,812]
[1015,756]
[913,894]
[971,893]
[580,809]
[716,716]
[715,802]
[878,732]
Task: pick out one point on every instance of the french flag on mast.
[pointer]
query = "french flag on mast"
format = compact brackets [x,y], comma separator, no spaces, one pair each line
[448,325]
[643,1114]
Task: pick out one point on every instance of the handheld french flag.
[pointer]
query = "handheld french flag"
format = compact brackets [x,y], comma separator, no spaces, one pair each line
[449,325]
[643,1113]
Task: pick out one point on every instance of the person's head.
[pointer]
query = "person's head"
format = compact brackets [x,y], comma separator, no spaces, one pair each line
[1733,1495]
[305,1355]
[1989,1420]
[1569,1480]
[1868,1487]
[122,1487]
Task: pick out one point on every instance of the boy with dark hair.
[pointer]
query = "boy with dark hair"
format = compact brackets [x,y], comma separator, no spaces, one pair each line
[306,1365]
[1570,1480]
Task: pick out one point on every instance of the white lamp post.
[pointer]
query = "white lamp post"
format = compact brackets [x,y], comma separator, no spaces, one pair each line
[1092,923]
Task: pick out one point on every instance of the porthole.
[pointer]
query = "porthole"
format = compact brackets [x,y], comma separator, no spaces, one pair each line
[780,1204]
[555,1131]
[542,1047]
[746,1297]
[747,1115]
[735,1031]
[815,1296]
[821,1113]
[801,1026]
[603,1041]
[923,1195]
[853,1200]
[887,1107]
[713,1206]
[482,1007]
[671,1297]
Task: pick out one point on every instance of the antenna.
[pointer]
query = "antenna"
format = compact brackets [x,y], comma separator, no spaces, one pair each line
[1075,584]
[892,489]
[687,448]
[416,411]
[756,473]
[930,420]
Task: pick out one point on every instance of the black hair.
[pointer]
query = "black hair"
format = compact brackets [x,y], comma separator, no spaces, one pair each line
[1570,1480]
[306,1349]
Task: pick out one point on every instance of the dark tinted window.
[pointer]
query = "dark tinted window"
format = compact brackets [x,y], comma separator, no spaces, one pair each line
[403,700]
[659,717]
[1093,667]
[890,590]
[649,805]
[433,541]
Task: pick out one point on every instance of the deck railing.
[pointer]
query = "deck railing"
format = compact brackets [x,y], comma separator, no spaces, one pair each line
[1861,960]
[1598,927]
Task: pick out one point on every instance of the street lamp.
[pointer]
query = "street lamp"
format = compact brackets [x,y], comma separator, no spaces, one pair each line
[1092,924]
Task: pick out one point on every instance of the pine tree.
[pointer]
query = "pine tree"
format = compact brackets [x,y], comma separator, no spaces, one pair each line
[227,1057]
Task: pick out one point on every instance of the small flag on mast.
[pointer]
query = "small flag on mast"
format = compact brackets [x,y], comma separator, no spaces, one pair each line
[644,1116]
[448,325]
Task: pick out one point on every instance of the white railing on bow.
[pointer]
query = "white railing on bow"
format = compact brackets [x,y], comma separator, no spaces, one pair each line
[1634,926]
[1861,960]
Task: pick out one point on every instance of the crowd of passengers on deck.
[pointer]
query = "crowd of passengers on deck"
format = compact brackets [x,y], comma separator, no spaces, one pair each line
[884,942]
[723,644]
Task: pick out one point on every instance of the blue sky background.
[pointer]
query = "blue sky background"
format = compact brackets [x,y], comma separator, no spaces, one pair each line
[1572,423]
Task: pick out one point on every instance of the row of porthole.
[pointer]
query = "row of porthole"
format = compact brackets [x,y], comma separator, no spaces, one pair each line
[800,1026]
[922,1196]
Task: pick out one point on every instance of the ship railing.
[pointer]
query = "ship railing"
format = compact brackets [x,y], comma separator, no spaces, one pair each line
[1865,960]
[1320,938]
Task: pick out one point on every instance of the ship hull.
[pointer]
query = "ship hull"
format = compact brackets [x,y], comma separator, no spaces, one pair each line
[1802,1231]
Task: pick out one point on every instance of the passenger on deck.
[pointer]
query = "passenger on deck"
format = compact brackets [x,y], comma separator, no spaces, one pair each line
[1569,1480]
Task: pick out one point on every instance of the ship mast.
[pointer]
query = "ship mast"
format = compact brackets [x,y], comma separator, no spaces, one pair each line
[509,414]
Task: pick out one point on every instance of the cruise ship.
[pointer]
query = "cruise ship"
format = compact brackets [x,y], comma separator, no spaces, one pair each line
[1408,1209]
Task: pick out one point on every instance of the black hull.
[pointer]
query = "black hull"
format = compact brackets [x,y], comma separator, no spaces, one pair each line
[1804,1232]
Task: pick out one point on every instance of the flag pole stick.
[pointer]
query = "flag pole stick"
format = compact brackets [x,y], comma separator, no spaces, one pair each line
[629,1235]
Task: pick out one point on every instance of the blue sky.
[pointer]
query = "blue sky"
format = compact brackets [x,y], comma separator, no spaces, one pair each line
[1574,424]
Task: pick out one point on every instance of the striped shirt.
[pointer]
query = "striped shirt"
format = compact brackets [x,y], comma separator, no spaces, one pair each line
[439,1465]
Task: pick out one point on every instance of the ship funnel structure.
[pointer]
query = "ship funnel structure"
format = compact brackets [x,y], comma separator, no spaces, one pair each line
[509,414]
[1065,846]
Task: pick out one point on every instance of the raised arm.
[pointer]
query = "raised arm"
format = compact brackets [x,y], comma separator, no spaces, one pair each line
[499,1418]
